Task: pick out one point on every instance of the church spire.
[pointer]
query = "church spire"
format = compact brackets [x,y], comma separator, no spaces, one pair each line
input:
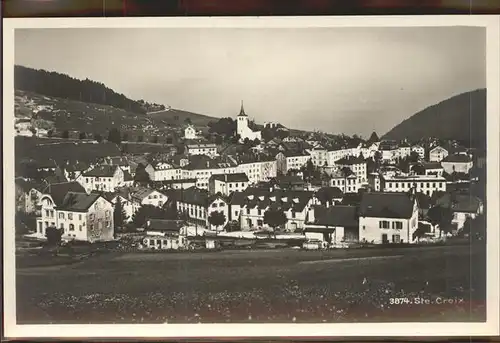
[242,111]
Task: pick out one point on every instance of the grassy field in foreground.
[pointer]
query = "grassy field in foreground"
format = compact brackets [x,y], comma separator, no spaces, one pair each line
[257,286]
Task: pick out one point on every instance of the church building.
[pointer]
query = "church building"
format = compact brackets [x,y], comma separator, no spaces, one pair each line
[242,127]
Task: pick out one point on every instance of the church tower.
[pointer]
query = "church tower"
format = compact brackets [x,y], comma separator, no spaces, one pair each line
[242,122]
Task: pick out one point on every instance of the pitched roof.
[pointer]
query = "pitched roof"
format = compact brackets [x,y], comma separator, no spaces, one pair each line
[104,170]
[205,162]
[164,225]
[192,195]
[141,193]
[117,160]
[460,202]
[28,185]
[236,177]
[343,216]
[76,166]
[242,111]
[78,202]
[457,158]
[432,165]
[58,191]
[386,205]
[350,160]
[294,200]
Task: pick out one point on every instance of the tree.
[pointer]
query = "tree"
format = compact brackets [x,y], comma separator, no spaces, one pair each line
[275,217]
[53,235]
[119,214]
[155,139]
[141,175]
[418,169]
[50,133]
[188,121]
[33,131]
[65,134]
[146,212]
[114,136]
[217,219]
[82,135]
[98,137]
[125,137]
[308,170]
[441,216]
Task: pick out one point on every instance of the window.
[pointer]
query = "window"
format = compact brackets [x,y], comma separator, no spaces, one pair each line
[51,213]
[70,216]
[396,238]
[236,213]
[214,205]
[107,223]
[53,224]
[71,227]
[383,224]
[293,214]
[91,216]
[62,226]
[61,215]
[80,228]
[108,213]
[259,212]
[248,211]
[259,222]
[46,224]
[160,203]
[47,213]
[79,217]
[397,225]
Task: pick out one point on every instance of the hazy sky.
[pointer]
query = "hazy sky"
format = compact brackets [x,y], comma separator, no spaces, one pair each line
[351,80]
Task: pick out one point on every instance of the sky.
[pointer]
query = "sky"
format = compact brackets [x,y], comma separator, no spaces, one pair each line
[337,80]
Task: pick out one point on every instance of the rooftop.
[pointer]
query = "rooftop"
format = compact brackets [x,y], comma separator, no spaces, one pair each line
[236,177]
[102,171]
[386,205]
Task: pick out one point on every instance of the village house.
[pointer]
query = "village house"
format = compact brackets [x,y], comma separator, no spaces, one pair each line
[190,132]
[81,216]
[28,195]
[147,196]
[257,168]
[427,184]
[161,171]
[437,154]
[225,184]
[123,196]
[202,167]
[289,160]
[433,168]
[458,163]
[333,225]
[197,204]
[242,128]
[253,203]
[208,149]
[404,150]
[357,166]
[164,234]
[346,181]
[418,149]
[388,218]
[104,178]
[463,206]
[368,150]
[73,170]
[119,161]
[389,151]
[319,156]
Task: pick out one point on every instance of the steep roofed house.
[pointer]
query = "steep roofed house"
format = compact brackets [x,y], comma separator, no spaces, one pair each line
[404,150]
[319,156]
[333,225]
[418,149]
[388,218]
[73,170]
[357,166]
[258,168]
[119,161]
[437,154]
[458,163]
[433,168]
[147,196]
[28,195]
[197,204]
[202,167]
[389,151]
[253,203]
[104,178]
[290,160]
[161,171]
[190,132]
[463,205]
[345,180]
[209,149]
[81,216]
[225,184]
